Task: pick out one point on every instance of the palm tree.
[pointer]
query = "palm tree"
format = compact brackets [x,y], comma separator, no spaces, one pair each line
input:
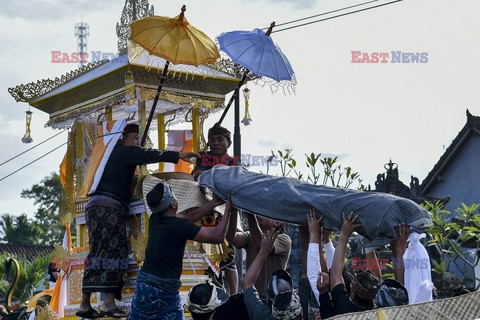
[19,229]
[6,225]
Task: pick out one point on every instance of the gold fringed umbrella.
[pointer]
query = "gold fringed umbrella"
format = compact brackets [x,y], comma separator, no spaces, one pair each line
[175,40]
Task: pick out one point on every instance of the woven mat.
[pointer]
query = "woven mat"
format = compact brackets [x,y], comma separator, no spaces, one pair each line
[188,193]
[465,307]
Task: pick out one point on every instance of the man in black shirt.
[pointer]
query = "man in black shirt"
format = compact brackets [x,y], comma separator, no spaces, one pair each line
[364,285]
[105,221]
[158,282]
[203,304]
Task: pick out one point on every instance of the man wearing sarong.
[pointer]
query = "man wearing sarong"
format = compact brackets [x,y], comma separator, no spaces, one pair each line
[104,213]
[158,282]
[219,140]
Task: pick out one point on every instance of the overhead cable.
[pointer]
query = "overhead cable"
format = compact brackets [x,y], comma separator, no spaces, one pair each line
[336,16]
[323,13]
[1,164]
[8,175]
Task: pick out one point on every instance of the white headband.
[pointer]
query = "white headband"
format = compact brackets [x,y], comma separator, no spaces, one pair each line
[209,307]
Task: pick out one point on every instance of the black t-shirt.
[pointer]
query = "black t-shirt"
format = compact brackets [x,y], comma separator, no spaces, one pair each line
[232,309]
[120,168]
[341,300]
[166,245]
[326,305]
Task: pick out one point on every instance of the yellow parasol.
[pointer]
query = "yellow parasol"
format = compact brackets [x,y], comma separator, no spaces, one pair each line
[175,40]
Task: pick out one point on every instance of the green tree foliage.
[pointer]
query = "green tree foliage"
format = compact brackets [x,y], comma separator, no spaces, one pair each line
[449,235]
[19,229]
[326,170]
[30,274]
[47,195]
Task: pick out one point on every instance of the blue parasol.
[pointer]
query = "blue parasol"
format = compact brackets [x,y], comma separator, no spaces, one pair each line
[257,53]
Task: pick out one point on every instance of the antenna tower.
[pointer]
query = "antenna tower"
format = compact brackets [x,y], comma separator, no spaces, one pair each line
[81,32]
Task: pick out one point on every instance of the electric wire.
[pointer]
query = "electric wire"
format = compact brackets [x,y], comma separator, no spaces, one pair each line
[1,164]
[323,13]
[8,175]
[336,16]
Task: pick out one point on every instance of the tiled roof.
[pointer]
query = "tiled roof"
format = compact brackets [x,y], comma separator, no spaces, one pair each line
[471,127]
[26,251]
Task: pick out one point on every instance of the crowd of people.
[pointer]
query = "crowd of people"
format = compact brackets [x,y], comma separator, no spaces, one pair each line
[267,289]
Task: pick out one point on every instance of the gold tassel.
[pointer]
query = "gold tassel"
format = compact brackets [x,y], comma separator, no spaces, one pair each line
[247,120]
[27,138]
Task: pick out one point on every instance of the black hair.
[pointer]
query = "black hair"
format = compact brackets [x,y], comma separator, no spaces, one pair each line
[201,295]
[131,127]
[218,130]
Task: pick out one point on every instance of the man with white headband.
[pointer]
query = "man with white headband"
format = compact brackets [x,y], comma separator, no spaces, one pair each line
[203,304]
[283,301]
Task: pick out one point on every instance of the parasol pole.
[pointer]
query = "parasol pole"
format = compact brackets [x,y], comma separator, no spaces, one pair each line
[237,139]
[236,93]
[152,111]
[159,89]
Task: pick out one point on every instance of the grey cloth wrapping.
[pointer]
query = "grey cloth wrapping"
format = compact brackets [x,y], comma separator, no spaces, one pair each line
[290,200]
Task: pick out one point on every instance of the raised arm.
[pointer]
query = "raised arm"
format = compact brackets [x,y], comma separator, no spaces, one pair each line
[373,262]
[217,234]
[255,307]
[199,213]
[256,233]
[329,248]
[399,246]
[326,306]
[196,173]
[339,257]
[314,251]
[232,236]
[188,156]
[254,269]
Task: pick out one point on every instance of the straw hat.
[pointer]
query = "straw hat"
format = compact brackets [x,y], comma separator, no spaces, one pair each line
[188,193]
